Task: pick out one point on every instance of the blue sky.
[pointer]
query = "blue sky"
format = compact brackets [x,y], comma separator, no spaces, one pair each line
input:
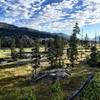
[53,15]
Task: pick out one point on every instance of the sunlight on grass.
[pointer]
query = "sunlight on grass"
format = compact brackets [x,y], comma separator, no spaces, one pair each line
[18,71]
[15,84]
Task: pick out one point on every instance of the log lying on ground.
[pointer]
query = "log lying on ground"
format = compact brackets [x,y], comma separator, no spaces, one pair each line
[90,78]
[54,74]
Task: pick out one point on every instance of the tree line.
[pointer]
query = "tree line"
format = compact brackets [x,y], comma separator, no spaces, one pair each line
[54,48]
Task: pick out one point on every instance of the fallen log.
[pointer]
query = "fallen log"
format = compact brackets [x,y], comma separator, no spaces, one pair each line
[77,92]
[54,74]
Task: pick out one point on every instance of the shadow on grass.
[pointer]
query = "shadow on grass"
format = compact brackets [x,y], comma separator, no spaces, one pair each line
[15,64]
[15,81]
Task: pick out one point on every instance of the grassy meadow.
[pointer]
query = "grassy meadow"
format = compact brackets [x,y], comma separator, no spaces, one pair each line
[15,82]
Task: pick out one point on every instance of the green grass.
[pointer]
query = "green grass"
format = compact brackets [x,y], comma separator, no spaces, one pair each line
[14,85]
[25,93]
[92,90]
[5,53]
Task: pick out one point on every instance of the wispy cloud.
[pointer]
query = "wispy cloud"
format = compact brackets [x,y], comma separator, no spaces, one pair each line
[50,15]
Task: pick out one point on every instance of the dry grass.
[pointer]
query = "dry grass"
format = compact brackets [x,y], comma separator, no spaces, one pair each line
[13,83]
[6,52]
[14,80]
[19,71]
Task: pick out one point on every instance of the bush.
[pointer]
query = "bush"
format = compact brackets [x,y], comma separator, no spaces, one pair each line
[57,91]
[30,95]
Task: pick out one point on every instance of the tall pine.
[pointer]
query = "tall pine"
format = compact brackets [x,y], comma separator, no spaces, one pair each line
[73,45]
[36,56]
[21,48]
[13,51]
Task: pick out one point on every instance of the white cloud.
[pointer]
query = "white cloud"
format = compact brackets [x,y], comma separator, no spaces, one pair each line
[90,15]
[51,14]
[97,1]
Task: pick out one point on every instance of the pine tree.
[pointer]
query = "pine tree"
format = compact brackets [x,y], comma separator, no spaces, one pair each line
[55,52]
[86,42]
[93,56]
[21,49]
[73,45]
[51,53]
[37,45]
[36,56]
[46,45]
[13,51]
[59,47]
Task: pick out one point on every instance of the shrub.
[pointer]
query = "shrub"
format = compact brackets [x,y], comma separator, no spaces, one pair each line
[57,91]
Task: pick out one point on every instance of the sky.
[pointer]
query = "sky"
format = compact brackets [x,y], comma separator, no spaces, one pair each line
[57,16]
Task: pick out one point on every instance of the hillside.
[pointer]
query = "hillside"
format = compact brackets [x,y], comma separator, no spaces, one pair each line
[11,30]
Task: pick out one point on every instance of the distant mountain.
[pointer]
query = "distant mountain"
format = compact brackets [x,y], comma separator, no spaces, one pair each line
[12,30]
[64,35]
[7,26]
